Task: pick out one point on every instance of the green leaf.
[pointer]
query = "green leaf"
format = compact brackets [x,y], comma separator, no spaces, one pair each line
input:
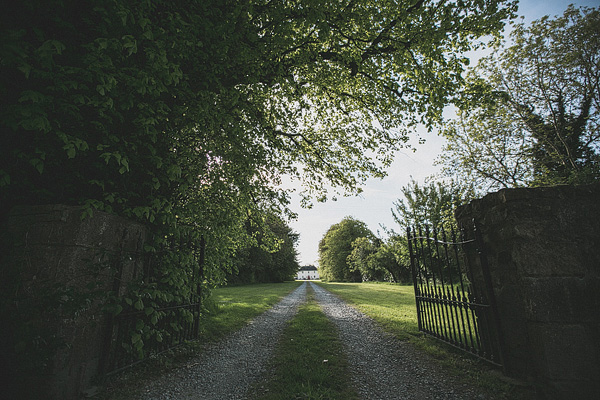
[136,338]
[71,152]
[130,44]
[31,96]
[26,69]
[37,164]
[4,178]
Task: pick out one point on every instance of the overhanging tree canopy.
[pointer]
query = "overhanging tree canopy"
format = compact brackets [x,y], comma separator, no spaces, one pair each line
[147,106]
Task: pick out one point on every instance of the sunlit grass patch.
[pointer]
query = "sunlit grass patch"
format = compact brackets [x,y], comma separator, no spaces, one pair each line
[393,306]
[231,307]
[309,362]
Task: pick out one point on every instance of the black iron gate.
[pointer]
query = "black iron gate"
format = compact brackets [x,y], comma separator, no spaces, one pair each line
[164,328]
[453,291]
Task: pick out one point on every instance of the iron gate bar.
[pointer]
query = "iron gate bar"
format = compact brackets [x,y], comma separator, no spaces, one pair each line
[487,278]
[450,307]
[116,356]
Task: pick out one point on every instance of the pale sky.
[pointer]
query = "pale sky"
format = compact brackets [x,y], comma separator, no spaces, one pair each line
[374,205]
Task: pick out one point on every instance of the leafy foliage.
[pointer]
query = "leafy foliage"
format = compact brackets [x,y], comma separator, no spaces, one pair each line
[379,260]
[335,248]
[361,259]
[430,204]
[539,123]
[265,261]
[143,107]
[488,147]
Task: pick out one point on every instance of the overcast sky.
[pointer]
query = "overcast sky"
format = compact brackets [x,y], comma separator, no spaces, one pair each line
[374,205]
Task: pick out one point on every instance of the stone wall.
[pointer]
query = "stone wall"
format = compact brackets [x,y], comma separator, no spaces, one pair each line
[53,262]
[543,250]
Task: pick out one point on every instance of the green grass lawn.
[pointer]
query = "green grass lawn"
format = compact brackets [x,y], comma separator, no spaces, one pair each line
[233,306]
[393,307]
[309,361]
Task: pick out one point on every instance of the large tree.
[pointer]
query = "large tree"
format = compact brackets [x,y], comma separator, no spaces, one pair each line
[271,257]
[187,112]
[335,248]
[146,106]
[540,121]
[431,204]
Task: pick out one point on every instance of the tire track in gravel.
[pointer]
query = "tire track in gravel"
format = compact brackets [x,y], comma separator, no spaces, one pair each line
[383,367]
[227,369]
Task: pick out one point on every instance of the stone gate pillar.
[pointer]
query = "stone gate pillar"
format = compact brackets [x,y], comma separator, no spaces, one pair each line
[52,261]
[543,250]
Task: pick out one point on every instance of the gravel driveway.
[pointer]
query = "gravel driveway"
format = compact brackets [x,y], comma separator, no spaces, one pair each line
[227,369]
[382,367]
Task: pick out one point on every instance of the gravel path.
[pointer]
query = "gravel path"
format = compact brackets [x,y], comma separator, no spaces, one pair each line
[227,369]
[382,367]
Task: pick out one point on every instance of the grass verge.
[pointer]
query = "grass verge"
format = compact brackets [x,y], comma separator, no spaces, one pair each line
[229,309]
[393,307]
[233,306]
[309,361]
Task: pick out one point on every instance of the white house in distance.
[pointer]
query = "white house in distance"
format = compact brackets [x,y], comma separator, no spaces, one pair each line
[308,272]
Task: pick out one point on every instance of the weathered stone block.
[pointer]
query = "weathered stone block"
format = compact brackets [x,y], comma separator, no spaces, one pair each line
[543,249]
[51,246]
[564,352]
[561,299]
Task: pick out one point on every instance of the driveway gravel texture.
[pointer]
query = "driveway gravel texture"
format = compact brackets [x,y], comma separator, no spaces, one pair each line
[382,367]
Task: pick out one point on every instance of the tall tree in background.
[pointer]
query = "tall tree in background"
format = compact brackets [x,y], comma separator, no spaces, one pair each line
[429,204]
[271,257]
[336,246]
[559,100]
[540,124]
[488,147]
[379,260]
[362,259]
